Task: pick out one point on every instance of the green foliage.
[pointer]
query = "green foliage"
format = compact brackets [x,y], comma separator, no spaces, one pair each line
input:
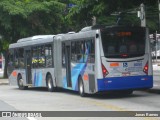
[26,7]
[25,18]
[108,12]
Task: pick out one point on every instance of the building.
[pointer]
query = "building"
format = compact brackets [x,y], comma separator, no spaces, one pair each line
[155,45]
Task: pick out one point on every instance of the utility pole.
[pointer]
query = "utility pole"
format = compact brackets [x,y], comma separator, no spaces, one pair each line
[159,13]
[156,40]
[93,20]
[142,15]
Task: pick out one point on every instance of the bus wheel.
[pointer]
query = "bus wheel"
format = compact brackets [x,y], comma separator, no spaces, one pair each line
[50,86]
[81,87]
[20,83]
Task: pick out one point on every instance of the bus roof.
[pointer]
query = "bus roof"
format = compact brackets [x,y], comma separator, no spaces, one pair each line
[76,36]
[38,39]
[95,27]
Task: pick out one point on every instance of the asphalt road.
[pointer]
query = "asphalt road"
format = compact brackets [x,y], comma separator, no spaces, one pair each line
[156,81]
[39,99]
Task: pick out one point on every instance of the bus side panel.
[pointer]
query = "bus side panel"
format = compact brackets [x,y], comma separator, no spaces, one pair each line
[89,78]
[39,76]
[76,71]
[86,72]
[13,76]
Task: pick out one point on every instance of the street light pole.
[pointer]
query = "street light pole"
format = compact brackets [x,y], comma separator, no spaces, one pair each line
[156,45]
[159,13]
[143,15]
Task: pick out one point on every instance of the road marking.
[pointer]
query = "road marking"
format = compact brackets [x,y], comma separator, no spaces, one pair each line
[31,118]
[104,105]
[113,107]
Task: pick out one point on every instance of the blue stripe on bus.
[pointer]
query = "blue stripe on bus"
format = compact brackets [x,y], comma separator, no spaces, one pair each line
[79,69]
[37,78]
[122,83]
[75,72]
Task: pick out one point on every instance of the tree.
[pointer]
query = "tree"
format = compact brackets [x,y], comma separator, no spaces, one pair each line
[25,18]
[109,12]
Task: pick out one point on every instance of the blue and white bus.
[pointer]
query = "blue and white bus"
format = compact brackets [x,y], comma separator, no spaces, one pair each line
[31,61]
[96,59]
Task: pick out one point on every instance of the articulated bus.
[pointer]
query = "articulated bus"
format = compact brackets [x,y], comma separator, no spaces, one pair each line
[96,59]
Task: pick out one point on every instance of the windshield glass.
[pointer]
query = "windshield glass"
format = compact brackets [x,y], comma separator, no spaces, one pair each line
[120,42]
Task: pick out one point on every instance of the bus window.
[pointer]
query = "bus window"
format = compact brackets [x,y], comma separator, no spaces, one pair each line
[119,43]
[89,51]
[10,66]
[16,58]
[0,62]
[92,51]
[123,49]
[80,51]
[63,56]
[21,57]
[141,47]
[41,57]
[111,49]
[48,55]
[132,47]
[73,52]
[34,57]
[11,58]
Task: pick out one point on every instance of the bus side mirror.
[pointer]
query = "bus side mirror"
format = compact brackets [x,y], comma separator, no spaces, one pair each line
[97,35]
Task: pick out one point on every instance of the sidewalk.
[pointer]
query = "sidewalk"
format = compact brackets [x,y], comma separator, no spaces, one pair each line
[156,69]
[156,62]
[4,81]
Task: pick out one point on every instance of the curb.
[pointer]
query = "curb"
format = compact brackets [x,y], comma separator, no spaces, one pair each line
[4,83]
[156,72]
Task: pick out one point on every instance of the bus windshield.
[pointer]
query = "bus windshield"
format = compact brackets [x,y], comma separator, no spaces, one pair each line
[123,42]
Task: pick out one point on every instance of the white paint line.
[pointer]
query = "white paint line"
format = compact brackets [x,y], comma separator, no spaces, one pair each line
[31,118]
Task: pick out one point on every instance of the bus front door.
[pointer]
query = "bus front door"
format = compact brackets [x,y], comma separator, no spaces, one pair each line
[28,66]
[68,65]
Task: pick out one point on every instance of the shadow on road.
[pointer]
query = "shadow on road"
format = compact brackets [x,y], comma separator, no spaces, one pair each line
[106,95]
[37,89]
[153,90]
[41,89]
[114,96]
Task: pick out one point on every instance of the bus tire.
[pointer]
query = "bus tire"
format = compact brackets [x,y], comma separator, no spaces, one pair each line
[50,86]
[20,83]
[81,87]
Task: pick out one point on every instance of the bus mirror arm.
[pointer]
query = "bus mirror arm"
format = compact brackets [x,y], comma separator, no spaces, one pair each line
[97,35]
